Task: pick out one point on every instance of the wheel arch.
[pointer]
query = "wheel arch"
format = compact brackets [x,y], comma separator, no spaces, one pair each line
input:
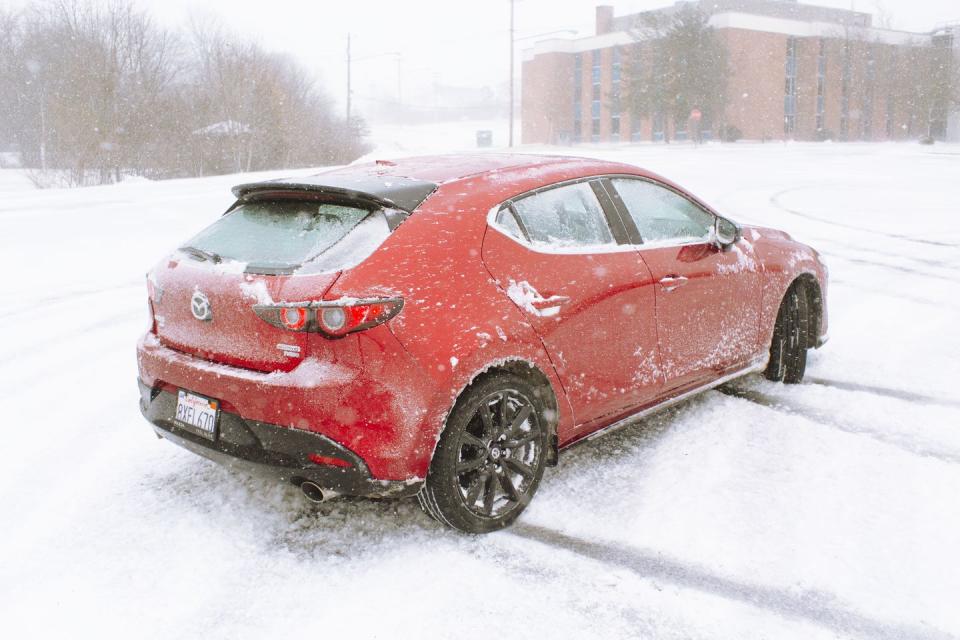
[529,371]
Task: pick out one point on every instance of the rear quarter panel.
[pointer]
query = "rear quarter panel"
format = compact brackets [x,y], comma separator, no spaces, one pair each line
[456,323]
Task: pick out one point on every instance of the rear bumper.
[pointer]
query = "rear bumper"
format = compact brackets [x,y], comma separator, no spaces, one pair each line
[268,450]
[379,408]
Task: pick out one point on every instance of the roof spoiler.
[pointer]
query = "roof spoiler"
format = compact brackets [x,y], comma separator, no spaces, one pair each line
[391,192]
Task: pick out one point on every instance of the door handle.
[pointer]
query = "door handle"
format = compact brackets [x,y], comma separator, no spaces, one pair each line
[669,283]
[549,302]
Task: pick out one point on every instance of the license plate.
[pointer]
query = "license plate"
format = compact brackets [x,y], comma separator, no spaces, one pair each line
[197,414]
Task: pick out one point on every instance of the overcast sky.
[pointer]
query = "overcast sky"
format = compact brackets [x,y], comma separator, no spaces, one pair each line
[452,42]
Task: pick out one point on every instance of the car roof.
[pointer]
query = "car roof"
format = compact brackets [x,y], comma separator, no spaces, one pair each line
[406,182]
[444,168]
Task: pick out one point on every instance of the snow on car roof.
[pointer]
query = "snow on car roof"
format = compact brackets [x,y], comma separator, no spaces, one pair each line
[406,182]
[449,167]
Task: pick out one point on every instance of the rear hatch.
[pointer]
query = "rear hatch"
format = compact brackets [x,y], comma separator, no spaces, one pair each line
[264,251]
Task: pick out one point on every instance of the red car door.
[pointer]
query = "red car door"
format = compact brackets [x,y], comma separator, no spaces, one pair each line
[589,298]
[708,297]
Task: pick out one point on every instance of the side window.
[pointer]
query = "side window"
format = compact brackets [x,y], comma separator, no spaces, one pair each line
[660,214]
[509,224]
[568,216]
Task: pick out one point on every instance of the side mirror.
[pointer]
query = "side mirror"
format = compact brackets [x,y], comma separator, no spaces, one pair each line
[725,232]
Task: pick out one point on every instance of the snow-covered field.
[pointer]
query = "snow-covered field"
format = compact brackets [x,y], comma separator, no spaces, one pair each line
[830,509]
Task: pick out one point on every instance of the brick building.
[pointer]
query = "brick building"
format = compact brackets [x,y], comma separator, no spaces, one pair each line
[797,71]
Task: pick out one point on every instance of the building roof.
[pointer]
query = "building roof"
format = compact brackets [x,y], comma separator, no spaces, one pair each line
[784,9]
[769,16]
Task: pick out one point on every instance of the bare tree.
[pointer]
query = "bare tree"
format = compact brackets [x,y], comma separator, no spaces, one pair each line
[95,89]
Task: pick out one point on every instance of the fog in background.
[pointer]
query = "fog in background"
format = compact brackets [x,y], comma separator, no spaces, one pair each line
[443,45]
[92,91]
[454,43]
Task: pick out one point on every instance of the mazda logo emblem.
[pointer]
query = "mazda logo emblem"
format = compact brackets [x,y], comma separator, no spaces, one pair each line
[200,306]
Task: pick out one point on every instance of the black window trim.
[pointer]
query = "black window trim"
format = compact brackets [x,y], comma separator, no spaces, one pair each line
[619,233]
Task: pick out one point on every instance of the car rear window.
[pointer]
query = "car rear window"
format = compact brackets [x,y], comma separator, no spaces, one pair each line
[278,235]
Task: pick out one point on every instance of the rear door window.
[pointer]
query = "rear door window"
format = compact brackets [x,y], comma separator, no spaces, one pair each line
[662,215]
[281,235]
[566,216]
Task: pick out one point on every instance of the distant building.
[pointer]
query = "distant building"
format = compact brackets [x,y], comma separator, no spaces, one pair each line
[950,37]
[797,72]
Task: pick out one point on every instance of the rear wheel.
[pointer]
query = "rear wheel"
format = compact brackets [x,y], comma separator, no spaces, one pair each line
[788,350]
[490,457]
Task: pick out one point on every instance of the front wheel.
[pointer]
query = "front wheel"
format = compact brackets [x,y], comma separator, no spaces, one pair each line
[788,350]
[490,457]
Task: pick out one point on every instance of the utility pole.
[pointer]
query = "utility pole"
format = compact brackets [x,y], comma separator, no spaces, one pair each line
[349,70]
[512,46]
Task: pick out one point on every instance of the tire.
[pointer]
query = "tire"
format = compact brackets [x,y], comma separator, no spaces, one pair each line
[788,350]
[490,457]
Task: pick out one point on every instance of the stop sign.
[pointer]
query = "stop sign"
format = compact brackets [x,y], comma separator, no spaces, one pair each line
[696,115]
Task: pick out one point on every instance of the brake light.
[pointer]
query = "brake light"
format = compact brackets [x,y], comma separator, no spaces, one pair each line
[334,318]
[294,318]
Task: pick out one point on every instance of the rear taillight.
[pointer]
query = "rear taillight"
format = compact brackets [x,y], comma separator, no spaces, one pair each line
[333,318]
[294,318]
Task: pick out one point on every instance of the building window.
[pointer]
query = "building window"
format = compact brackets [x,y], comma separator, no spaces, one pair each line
[615,96]
[615,69]
[658,127]
[845,93]
[595,105]
[870,80]
[821,84]
[577,97]
[636,122]
[790,89]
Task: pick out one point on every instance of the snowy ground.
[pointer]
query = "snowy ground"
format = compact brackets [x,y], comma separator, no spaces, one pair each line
[825,510]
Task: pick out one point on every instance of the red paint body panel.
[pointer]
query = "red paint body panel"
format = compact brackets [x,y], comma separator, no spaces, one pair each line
[708,322]
[600,331]
[617,342]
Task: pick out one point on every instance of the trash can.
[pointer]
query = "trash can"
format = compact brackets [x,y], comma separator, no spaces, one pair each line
[484,138]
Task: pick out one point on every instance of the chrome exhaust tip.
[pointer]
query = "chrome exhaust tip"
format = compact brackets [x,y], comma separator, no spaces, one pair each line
[314,493]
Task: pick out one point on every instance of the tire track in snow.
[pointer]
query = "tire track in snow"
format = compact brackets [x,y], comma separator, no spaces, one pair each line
[939,264]
[68,296]
[899,295]
[13,379]
[775,201]
[893,267]
[899,394]
[32,350]
[786,407]
[821,608]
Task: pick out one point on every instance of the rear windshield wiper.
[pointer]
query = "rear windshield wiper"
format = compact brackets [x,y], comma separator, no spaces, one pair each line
[215,258]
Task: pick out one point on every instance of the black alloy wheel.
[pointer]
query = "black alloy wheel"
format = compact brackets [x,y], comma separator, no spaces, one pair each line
[490,457]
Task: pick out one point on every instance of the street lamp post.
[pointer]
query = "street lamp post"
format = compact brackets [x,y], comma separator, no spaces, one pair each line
[513,43]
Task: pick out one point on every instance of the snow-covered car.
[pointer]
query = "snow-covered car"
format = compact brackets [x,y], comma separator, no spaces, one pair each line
[445,326]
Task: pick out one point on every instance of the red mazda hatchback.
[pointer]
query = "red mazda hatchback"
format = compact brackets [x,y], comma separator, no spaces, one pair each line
[445,326]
